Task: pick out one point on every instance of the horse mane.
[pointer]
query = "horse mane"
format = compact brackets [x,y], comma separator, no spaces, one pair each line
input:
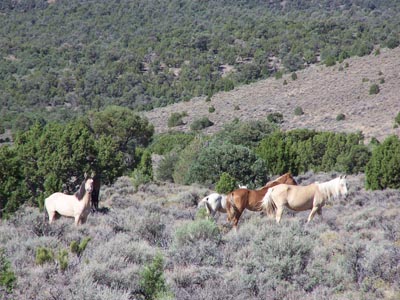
[279,180]
[328,189]
[81,192]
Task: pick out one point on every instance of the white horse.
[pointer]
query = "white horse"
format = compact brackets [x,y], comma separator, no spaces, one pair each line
[300,198]
[213,203]
[76,206]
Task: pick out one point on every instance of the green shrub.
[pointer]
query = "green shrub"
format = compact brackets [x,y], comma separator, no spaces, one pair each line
[383,169]
[62,258]
[166,166]
[211,109]
[374,89]
[166,142]
[200,124]
[152,281]
[7,276]
[330,61]
[278,75]
[340,117]
[186,159]
[225,184]
[276,118]
[298,111]
[78,247]
[43,255]
[238,161]
[397,118]
[144,172]
[175,119]
[294,76]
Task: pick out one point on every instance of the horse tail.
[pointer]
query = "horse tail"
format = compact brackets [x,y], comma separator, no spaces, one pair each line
[204,202]
[268,203]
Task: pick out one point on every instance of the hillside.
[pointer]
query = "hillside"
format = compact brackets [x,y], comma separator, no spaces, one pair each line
[322,92]
[59,59]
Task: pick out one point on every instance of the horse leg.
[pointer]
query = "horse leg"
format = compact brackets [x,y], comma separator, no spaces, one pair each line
[52,215]
[319,212]
[77,220]
[312,213]
[279,212]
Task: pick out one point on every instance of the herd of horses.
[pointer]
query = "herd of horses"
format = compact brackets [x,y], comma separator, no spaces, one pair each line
[273,197]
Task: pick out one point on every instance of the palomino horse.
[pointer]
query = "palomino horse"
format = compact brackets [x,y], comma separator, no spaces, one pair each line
[240,199]
[76,206]
[213,203]
[300,198]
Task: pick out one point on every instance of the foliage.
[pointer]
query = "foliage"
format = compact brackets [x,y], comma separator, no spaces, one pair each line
[340,117]
[43,255]
[128,129]
[397,119]
[186,158]
[298,111]
[166,167]
[175,119]
[225,184]
[152,279]
[166,142]
[374,89]
[382,170]
[62,258]
[78,247]
[200,124]
[276,118]
[247,134]
[144,171]
[301,150]
[7,276]
[238,161]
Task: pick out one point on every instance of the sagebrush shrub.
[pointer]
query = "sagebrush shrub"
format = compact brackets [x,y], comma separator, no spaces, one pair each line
[191,232]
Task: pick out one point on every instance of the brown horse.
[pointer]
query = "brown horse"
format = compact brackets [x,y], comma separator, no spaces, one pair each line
[240,199]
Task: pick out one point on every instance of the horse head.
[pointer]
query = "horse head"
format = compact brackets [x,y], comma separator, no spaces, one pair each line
[89,185]
[342,185]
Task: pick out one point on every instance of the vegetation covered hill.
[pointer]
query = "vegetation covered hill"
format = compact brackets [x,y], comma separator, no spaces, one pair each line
[57,56]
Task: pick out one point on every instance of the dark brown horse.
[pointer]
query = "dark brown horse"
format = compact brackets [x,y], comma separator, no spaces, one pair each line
[240,199]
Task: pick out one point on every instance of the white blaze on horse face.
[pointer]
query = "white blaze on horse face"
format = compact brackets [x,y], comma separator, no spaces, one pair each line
[89,185]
